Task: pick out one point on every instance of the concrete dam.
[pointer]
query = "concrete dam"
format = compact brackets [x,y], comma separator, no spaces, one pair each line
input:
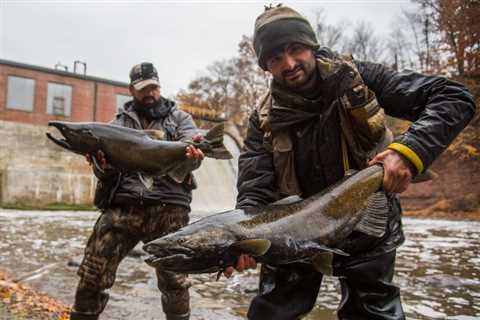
[36,173]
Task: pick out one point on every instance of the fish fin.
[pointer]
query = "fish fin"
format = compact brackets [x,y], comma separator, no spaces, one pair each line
[216,133]
[287,200]
[425,176]
[147,181]
[215,138]
[321,248]
[323,263]
[155,134]
[253,247]
[375,217]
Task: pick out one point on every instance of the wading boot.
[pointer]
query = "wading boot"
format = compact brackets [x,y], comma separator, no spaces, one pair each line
[185,316]
[86,308]
[82,316]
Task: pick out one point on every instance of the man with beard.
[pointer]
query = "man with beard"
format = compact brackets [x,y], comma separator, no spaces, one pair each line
[136,208]
[322,116]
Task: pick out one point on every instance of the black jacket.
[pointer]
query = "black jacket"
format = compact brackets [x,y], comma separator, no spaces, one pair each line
[438,107]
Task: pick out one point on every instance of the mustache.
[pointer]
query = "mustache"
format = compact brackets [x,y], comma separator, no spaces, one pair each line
[297,67]
[148,100]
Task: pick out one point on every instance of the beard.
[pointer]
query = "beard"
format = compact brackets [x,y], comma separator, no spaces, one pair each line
[150,109]
[303,82]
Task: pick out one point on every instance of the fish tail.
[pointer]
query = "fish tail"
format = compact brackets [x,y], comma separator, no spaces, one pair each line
[214,138]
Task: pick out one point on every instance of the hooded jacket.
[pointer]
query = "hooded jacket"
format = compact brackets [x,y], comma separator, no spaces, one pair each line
[119,189]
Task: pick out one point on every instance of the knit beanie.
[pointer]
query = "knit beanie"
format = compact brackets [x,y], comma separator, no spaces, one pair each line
[277,27]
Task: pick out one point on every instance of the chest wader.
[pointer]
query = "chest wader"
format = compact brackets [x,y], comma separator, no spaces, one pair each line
[289,292]
[117,231]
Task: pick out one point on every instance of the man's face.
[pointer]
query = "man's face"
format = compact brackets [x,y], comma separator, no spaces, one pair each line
[292,66]
[148,96]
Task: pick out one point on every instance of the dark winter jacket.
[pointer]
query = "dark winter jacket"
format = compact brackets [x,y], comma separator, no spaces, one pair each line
[439,109]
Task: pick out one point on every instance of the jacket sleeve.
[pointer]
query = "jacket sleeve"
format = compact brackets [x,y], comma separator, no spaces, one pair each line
[186,129]
[438,107]
[256,178]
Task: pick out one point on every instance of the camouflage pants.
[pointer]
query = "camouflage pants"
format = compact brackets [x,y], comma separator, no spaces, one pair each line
[116,232]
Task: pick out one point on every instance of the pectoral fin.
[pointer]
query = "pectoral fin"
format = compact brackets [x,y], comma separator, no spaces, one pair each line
[253,247]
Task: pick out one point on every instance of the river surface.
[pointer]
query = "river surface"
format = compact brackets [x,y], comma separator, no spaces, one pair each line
[438,270]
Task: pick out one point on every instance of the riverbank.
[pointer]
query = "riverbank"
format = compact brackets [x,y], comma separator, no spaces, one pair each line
[20,302]
[443,215]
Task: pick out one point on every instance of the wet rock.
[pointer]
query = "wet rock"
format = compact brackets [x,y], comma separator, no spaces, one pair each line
[74,262]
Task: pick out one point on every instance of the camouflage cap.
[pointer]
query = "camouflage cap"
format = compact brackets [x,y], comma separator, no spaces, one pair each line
[277,27]
[142,75]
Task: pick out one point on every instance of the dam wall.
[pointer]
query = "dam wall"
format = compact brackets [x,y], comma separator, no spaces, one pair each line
[34,172]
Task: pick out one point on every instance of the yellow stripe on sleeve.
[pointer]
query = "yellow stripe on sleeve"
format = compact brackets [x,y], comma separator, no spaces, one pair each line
[409,154]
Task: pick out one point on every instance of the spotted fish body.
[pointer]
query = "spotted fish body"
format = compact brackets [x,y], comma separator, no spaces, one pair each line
[135,150]
[279,233]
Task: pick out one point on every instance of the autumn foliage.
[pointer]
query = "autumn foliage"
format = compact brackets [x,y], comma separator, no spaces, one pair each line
[25,303]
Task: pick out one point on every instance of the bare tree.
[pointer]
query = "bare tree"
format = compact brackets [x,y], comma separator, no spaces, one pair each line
[364,44]
[331,36]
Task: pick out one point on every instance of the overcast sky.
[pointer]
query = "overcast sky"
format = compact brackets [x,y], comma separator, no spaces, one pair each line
[180,37]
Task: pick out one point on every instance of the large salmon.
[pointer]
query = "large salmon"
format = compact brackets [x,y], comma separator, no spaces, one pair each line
[136,150]
[303,230]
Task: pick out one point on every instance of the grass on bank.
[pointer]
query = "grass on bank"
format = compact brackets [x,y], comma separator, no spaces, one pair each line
[49,207]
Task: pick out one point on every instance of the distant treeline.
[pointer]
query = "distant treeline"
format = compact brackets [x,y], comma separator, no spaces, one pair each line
[439,36]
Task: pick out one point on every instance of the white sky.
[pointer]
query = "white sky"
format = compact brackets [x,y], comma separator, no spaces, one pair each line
[180,37]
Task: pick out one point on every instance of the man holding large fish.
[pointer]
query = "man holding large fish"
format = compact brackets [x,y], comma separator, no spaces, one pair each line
[323,116]
[135,206]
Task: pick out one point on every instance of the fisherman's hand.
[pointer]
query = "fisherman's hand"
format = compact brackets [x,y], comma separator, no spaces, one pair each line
[100,158]
[398,171]
[193,153]
[244,262]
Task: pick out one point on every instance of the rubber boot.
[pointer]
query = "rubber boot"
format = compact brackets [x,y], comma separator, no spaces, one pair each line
[89,315]
[177,316]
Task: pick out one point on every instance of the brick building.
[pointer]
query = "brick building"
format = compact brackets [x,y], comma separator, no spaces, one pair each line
[34,172]
[35,95]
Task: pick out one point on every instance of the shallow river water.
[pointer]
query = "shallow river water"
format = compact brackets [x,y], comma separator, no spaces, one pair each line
[438,270]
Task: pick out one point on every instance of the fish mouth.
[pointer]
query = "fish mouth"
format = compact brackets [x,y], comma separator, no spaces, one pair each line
[172,262]
[165,249]
[60,142]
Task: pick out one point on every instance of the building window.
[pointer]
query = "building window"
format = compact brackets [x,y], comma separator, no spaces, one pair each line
[121,100]
[20,93]
[59,99]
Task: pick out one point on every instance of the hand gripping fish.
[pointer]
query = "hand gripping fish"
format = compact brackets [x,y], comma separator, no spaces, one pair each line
[291,230]
[136,150]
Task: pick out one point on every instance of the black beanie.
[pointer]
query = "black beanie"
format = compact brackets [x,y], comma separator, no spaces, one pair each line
[277,27]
